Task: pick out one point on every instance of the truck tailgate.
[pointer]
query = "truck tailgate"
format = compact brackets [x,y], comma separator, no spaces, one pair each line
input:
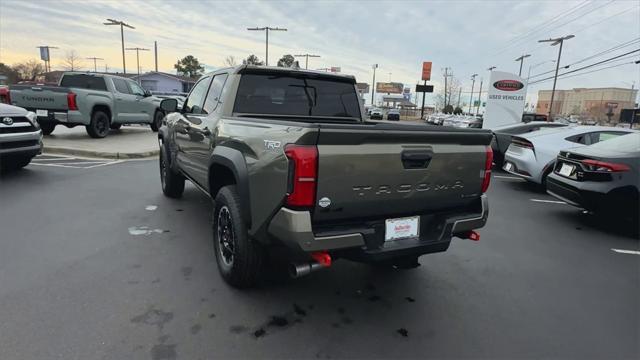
[39,97]
[388,170]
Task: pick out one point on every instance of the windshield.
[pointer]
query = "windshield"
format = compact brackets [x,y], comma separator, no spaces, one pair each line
[298,96]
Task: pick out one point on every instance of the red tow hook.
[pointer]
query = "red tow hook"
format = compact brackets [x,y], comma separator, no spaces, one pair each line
[322,257]
[472,235]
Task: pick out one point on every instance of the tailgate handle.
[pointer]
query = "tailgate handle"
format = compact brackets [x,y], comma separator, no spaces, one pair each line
[416,159]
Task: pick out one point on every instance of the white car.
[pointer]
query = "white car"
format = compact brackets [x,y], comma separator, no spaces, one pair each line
[532,155]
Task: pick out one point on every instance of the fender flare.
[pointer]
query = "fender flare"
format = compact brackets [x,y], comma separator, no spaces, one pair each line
[234,161]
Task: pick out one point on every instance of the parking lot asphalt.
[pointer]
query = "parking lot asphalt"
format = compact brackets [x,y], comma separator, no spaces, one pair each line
[96,264]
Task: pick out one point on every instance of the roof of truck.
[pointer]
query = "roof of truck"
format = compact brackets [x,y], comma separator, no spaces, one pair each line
[242,68]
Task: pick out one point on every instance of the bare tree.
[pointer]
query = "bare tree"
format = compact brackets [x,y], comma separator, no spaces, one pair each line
[230,61]
[71,61]
[453,91]
[29,70]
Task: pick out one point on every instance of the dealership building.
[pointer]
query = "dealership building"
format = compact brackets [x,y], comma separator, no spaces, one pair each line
[595,103]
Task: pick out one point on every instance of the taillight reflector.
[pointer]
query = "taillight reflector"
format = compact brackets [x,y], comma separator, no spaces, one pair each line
[595,165]
[487,169]
[71,101]
[304,159]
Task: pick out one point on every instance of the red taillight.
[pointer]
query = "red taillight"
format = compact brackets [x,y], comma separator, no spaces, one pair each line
[4,95]
[71,101]
[517,141]
[487,169]
[304,160]
[595,165]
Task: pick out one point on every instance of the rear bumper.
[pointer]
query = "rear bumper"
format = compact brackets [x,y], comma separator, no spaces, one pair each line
[365,240]
[70,117]
[28,143]
[524,165]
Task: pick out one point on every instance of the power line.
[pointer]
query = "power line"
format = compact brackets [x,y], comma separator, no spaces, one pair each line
[589,66]
[607,18]
[617,47]
[589,72]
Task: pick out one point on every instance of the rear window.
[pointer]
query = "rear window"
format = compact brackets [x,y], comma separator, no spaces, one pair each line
[298,96]
[622,143]
[82,81]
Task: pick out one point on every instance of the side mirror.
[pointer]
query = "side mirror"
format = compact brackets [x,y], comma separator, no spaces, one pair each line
[169,105]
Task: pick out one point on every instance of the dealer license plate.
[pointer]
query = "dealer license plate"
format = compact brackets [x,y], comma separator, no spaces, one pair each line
[402,228]
[566,169]
[43,113]
[508,166]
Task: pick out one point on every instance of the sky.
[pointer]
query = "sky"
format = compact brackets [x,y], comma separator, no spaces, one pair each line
[465,36]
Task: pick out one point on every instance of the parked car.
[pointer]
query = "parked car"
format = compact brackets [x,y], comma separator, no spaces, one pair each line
[20,137]
[393,114]
[502,136]
[603,177]
[529,117]
[532,156]
[376,114]
[312,174]
[97,101]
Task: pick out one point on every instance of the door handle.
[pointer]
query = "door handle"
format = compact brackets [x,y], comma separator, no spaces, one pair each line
[416,159]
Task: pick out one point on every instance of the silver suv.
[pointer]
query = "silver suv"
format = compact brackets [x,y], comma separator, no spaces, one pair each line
[20,137]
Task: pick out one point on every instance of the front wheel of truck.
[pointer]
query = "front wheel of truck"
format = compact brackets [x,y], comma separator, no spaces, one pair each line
[157,121]
[172,183]
[239,258]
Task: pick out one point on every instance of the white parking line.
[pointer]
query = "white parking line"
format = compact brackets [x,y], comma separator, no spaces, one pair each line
[631,252]
[548,201]
[508,177]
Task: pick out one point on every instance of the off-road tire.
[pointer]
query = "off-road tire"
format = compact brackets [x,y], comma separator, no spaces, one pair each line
[157,120]
[99,125]
[47,127]
[247,257]
[172,182]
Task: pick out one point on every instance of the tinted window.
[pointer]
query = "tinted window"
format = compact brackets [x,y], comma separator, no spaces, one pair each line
[605,135]
[82,81]
[287,95]
[624,143]
[213,97]
[579,139]
[121,86]
[195,100]
[135,88]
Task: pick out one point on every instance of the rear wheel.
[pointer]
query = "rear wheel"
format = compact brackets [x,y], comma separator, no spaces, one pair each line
[172,183]
[157,120]
[47,127]
[99,125]
[239,257]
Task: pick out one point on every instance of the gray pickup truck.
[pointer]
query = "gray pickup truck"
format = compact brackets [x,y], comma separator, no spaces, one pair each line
[98,101]
[289,159]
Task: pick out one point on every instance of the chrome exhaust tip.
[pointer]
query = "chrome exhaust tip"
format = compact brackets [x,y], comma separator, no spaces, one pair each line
[302,269]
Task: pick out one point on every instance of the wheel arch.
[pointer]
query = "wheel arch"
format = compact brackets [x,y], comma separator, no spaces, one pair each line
[227,166]
[102,107]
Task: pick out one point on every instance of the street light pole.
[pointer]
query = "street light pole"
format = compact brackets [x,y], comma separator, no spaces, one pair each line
[373,85]
[122,26]
[307,56]
[473,83]
[521,59]
[138,49]
[555,42]
[266,30]
[95,67]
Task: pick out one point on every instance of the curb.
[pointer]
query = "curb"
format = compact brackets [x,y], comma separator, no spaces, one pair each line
[100,154]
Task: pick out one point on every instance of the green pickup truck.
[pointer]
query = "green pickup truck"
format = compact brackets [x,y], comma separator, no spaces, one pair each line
[291,162]
[97,101]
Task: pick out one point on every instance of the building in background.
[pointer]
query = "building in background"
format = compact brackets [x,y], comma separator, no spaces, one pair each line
[164,83]
[601,104]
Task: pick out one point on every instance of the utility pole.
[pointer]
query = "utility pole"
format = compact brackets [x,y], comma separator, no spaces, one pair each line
[555,42]
[138,49]
[122,26]
[46,56]
[106,68]
[521,59]
[446,74]
[155,49]
[473,83]
[307,56]
[266,30]
[373,85]
[479,98]
[491,68]
[389,78]
[459,95]
[95,67]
